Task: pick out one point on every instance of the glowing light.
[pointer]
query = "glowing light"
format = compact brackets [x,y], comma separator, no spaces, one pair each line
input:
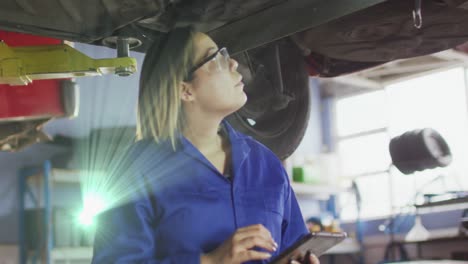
[93,204]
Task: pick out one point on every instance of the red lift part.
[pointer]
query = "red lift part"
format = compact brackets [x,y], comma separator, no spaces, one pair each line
[41,98]
[19,39]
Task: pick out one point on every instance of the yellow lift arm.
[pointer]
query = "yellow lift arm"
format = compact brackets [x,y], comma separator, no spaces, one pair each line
[22,65]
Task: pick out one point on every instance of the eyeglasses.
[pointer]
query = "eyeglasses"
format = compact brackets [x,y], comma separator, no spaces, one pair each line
[216,62]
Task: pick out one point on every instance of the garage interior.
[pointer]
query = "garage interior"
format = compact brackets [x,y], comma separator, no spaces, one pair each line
[353,170]
[426,92]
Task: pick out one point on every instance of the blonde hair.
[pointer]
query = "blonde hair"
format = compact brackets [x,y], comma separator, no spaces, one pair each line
[166,65]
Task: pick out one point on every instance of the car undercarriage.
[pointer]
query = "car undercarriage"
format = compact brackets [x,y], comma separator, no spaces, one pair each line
[278,43]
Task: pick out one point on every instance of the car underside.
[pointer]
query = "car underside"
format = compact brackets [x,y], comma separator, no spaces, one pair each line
[278,43]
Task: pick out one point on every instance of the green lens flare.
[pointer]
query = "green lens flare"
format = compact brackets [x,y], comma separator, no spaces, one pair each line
[93,204]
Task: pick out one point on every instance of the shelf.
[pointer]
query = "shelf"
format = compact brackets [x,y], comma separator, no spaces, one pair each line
[445,202]
[36,186]
[318,191]
[61,176]
[451,233]
[347,246]
[65,176]
[57,176]
[445,233]
[72,253]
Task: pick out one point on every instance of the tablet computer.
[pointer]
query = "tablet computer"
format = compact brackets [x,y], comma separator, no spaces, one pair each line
[316,243]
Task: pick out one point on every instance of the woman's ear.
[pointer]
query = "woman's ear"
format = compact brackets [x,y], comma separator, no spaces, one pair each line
[186,93]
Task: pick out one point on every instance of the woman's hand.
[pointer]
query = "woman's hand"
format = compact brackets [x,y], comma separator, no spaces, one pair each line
[307,259]
[239,247]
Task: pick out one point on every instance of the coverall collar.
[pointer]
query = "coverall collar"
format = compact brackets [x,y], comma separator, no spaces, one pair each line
[239,149]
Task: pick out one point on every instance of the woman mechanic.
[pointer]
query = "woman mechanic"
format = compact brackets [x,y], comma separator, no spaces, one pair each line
[208,194]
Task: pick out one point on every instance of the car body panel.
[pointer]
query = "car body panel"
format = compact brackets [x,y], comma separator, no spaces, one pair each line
[90,21]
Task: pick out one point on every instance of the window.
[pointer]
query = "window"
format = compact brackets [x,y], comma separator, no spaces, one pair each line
[364,154]
[354,115]
[365,124]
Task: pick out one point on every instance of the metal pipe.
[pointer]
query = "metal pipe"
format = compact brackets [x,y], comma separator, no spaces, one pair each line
[123,50]
[123,47]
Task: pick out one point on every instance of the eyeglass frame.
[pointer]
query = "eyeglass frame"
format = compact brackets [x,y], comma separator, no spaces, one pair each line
[205,61]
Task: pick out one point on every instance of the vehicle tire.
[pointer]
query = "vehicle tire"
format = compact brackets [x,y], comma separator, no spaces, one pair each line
[277,87]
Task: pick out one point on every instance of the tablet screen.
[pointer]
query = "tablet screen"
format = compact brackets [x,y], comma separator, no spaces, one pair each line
[317,243]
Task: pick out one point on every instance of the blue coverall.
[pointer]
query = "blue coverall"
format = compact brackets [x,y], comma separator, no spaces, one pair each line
[185,207]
